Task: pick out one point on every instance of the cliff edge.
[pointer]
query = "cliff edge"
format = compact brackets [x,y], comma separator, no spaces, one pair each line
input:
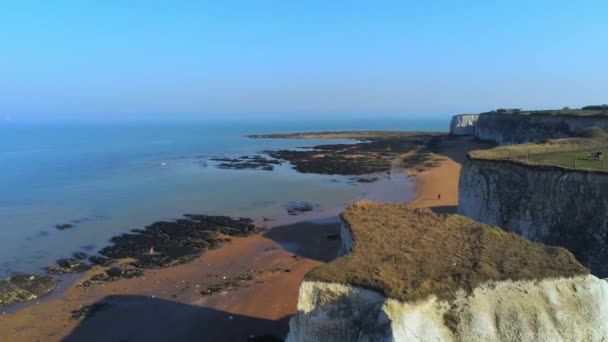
[546,192]
[411,274]
[508,128]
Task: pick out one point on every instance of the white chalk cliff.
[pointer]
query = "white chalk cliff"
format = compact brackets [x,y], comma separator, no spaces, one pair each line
[463,124]
[508,129]
[552,205]
[573,309]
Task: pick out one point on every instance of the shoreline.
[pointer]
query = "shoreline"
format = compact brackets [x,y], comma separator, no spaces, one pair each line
[279,258]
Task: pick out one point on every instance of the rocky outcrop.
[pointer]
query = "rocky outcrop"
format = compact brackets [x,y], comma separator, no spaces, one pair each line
[543,203]
[24,287]
[412,275]
[573,309]
[512,128]
[463,124]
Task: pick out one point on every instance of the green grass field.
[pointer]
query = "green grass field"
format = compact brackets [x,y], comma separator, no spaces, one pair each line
[578,160]
[574,153]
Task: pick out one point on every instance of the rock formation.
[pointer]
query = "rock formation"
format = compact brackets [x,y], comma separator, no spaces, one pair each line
[463,124]
[518,128]
[550,204]
[23,287]
[412,275]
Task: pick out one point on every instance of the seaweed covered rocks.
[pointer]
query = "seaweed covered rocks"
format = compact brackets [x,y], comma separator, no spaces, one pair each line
[297,208]
[68,265]
[88,311]
[64,226]
[23,287]
[101,261]
[255,162]
[333,163]
[373,154]
[168,243]
[113,274]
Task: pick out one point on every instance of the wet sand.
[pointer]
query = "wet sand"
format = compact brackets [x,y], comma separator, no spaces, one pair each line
[167,304]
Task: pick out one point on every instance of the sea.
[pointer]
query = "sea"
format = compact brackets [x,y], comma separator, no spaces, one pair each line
[106,178]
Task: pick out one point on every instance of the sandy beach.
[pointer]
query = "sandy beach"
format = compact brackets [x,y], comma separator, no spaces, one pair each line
[167,304]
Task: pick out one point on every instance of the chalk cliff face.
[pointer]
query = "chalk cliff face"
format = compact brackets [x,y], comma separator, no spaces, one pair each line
[548,204]
[507,129]
[572,309]
[347,240]
[463,124]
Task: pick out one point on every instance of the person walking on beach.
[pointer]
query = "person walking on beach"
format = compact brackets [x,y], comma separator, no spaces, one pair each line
[439,196]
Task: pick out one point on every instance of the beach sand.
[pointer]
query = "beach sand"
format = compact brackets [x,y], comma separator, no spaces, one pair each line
[167,304]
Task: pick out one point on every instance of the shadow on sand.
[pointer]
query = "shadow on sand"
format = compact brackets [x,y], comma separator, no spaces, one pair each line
[456,148]
[318,240]
[139,318]
[444,209]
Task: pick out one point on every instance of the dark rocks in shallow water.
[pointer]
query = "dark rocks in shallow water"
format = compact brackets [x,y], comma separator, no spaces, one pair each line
[113,274]
[89,247]
[23,287]
[297,208]
[67,266]
[173,255]
[124,272]
[69,263]
[366,179]
[101,261]
[80,255]
[168,243]
[333,163]
[255,162]
[370,156]
[64,226]
[88,311]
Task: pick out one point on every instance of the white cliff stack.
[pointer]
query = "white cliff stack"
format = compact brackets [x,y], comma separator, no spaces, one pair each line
[463,124]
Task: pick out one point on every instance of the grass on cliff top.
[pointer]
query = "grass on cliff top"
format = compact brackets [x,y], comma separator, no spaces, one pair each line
[573,153]
[409,254]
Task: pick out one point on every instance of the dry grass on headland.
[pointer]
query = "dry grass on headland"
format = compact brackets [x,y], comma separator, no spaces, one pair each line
[409,254]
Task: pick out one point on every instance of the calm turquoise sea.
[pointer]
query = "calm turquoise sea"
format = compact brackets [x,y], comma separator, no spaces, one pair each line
[109,178]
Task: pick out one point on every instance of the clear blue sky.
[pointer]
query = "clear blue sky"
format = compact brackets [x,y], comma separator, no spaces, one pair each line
[189,58]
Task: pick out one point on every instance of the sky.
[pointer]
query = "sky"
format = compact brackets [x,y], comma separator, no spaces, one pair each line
[104,59]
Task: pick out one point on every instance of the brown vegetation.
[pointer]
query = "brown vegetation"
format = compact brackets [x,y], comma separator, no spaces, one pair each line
[409,254]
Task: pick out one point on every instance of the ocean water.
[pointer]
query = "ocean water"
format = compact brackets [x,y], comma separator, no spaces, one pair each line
[109,178]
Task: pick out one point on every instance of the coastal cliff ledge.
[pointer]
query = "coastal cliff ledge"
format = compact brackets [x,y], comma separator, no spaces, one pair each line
[410,274]
[555,193]
[507,127]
